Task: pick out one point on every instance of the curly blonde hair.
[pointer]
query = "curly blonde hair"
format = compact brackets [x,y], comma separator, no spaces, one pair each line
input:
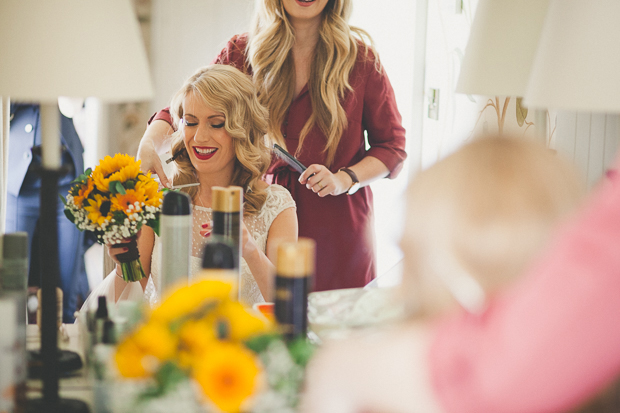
[227,90]
[269,53]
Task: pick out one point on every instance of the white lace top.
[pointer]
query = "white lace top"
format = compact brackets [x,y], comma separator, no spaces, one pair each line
[278,199]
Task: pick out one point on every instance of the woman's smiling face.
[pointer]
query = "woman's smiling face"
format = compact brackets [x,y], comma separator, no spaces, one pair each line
[210,147]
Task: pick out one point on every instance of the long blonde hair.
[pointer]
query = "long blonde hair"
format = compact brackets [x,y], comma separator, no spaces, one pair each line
[269,53]
[486,211]
[227,90]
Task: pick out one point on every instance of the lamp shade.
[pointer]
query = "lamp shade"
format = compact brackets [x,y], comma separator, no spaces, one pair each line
[577,64]
[501,48]
[75,48]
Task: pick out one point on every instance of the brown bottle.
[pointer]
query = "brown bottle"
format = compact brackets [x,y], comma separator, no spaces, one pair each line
[294,273]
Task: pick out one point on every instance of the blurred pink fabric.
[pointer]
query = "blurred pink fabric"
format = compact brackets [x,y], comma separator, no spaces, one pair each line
[553,340]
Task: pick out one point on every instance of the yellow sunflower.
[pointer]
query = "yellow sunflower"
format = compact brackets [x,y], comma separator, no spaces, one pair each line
[241,323]
[121,167]
[130,360]
[228,375]
[156,340]
[195,337]
[126,173]
[85,190]
[122,202]
[188,299]
[99,209]
[153,195]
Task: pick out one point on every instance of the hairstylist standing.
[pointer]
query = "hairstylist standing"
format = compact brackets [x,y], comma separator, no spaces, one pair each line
[324,88]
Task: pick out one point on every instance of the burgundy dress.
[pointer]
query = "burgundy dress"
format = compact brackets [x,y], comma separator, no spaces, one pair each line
[342,225]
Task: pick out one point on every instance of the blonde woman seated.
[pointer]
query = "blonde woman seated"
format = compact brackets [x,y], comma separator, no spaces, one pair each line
[220,136]
[475,221]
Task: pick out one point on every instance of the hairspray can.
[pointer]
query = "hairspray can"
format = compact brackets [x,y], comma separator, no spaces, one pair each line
[227,206]
[176,239]
[294,273]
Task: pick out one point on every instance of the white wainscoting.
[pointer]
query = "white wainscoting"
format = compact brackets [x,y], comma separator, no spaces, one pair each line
[590,140]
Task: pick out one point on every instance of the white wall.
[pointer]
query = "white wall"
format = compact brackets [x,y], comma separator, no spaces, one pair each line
[591,140]
[392,27]
[188,34]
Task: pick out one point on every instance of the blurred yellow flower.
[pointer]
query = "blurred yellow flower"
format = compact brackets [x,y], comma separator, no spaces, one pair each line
[189,299]
[195,337]
[83,193]
[129,360]
[122,202]
[241,323]
[99,209]
[156,340]
[228,375]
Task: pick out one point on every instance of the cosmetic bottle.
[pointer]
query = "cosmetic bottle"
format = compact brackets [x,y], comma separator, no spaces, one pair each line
[227,206]
[175,240]
[8,354]
[14,284]
[101,316]
[294,273]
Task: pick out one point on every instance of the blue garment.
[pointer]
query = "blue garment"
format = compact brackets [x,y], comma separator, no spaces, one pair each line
[23,201]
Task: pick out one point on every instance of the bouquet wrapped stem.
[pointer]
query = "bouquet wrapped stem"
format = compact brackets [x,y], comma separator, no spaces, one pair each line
[130,261]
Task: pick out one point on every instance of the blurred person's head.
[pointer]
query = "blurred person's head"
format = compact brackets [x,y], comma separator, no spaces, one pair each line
[477,219]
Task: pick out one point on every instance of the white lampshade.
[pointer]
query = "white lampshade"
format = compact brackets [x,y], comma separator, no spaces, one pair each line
[75,48]
[577,65]
[501,47]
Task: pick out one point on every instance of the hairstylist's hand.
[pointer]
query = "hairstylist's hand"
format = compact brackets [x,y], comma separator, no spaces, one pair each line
[324,182]
[147,153]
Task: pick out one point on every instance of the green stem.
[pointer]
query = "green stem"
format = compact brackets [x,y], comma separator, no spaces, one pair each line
[132,270]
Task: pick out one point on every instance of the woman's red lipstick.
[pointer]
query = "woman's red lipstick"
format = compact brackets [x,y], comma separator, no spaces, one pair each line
[204,152]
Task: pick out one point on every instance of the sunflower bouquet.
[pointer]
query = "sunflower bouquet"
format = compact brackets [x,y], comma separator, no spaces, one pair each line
[114,201]
[202,339]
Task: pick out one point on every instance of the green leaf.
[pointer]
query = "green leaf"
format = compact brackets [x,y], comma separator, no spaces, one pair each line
[521,112]
[63,199]
[88,171]
[154,223]
[260,343]
[70,216]
[301,351]
[119,188]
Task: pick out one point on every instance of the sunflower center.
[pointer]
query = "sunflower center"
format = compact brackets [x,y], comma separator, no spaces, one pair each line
[105,208]
[228,379]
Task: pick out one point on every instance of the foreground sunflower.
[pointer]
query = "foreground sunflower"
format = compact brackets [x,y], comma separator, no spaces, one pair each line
[228,375]
[200,338]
